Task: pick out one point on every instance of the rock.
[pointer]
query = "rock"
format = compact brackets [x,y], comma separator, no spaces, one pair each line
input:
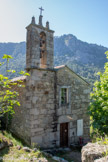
[50,151]
[45,160]
[10,144]
[34,159]
[19,147]
[3,144]
[104,159]
[60,149]
[42,160]
[66,149]
[93,151]
[56,158]
[27,149]
[1,158]
[59,159]
[35,149]
[47,154]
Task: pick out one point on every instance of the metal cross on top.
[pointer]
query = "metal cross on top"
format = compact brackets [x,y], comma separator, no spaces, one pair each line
[41,9]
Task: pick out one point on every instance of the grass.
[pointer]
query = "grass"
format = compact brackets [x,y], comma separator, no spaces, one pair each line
[13,154]
[13,139]
[96,138]
[20,155]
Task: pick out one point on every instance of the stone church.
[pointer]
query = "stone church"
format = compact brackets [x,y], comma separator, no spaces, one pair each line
[54,101]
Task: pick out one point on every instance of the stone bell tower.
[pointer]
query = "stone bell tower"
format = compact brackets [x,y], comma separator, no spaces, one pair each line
[39,45]
[40,85]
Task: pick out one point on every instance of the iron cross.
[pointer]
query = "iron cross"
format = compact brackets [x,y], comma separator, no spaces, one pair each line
[41,9]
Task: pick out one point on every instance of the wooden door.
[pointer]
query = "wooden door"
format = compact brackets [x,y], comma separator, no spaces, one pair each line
[64,135]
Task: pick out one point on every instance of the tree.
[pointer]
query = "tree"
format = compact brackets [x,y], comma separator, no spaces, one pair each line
[8,95]
[98,108]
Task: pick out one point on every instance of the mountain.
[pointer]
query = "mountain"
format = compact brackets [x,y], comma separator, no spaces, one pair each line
[18,52]
[83,58]
[70,47]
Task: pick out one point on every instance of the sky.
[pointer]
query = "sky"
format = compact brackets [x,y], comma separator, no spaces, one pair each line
[86,19]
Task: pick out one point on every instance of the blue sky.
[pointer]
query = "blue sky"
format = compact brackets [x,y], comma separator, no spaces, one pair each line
[86,19]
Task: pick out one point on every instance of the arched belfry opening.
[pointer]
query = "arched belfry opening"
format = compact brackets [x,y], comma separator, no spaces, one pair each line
[43,53]
[40,45]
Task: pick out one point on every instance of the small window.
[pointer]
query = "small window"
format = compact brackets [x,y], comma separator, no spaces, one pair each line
[64,96]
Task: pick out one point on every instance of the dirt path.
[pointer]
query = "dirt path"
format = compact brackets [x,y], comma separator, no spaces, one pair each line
[74,156]
[71,156]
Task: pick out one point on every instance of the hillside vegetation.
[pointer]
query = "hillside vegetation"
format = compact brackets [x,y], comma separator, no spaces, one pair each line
[13,150]
[83,58]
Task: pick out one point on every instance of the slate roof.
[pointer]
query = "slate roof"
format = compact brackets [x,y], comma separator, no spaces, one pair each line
[59,67]
[22,78]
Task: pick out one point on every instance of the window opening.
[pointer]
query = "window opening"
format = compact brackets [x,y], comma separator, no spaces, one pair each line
[43,54]
[64,96]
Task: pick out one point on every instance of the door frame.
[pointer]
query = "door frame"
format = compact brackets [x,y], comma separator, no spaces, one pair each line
[63,135]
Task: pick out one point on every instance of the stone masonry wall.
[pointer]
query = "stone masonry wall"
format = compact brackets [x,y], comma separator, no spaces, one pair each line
[20,125]
[33,46]
[78,103]
[40,102]
[38,119]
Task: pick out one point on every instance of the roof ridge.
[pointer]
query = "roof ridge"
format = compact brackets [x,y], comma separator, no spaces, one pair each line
[60,66]
[19,78]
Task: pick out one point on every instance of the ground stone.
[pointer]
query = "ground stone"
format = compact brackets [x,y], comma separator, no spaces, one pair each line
[19,147]
[93,151]
[35,149]
[27,149]
[59,159]
[104,159]
[3,144]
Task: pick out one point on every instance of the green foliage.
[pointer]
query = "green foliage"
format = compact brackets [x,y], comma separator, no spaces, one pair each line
[10,137]
[23,73]
[98,108]
[7,57]
[8,98]
[8,95]
[16,151]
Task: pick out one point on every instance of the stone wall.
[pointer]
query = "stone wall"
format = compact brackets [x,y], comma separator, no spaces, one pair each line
[78,103]
[20,125]
[40,102]
[34,120]
[40,115]
[33,46]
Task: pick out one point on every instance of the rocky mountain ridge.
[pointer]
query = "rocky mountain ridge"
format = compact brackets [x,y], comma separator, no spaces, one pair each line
[83,58]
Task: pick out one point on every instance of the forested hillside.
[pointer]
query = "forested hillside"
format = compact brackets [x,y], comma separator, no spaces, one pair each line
[17,50]
[83,58]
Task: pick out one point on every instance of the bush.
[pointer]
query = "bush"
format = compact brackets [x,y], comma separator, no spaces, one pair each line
[98,108]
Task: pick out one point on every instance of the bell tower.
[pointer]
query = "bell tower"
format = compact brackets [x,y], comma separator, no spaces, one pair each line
[39,46]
